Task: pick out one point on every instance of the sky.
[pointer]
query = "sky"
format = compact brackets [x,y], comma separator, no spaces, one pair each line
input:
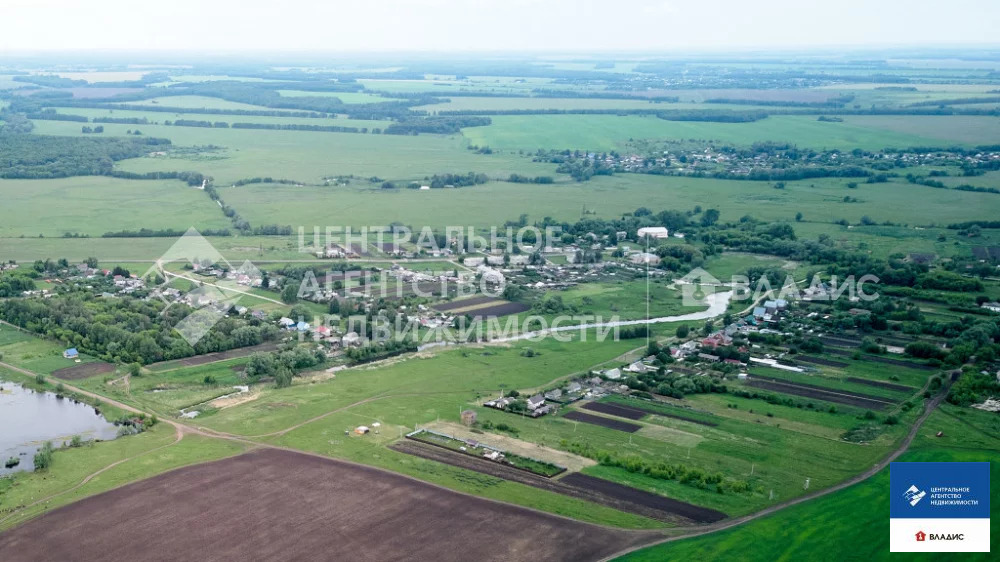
[457,26]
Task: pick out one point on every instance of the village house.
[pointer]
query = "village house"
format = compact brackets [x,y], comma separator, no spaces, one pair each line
[991,306]
[643,258]
[535,402]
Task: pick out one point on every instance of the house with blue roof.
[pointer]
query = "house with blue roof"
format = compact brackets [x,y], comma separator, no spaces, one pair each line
[71,353]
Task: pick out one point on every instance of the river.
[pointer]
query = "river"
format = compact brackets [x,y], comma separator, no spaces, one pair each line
[28,419]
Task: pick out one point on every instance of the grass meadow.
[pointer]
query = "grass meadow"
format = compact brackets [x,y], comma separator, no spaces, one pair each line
[308,156]
[859,512]
[95,204]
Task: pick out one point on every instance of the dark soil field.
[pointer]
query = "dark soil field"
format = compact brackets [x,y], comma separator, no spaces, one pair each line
[821,361]
[280,505]
[212,357]
[880,384]
[83,371]
[808,391]
[627,493]
[503,309]
[884,360]
[664,410]
[603,422]
[616,410]
[472,301]
[653,508]
[840,342]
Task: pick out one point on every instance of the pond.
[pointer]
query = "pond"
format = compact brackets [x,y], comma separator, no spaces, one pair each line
[28,419]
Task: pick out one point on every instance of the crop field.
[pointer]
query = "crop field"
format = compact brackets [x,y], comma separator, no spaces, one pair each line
[654,507]
[464,303]
[95,205]
[465,103]
[810,391]
[655,408]
[346,97]
[628,493]
[157,118]
[496,202]
[211,357]
[602,421]
[83,371]
[483,307]
[617,410]
[479,206]
[609,132]
[961,129]
[196,102]
[308,156]
[377,511]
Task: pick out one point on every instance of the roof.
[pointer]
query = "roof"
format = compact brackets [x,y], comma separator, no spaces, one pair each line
[654,231]
[71,351]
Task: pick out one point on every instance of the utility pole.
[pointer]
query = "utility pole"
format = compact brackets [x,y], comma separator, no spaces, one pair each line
[647,292]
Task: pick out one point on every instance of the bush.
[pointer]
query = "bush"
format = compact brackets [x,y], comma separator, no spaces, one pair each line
[43,458]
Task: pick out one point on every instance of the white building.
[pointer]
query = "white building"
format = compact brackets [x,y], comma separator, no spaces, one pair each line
[654,232]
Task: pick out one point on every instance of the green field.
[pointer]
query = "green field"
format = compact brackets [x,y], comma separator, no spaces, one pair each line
[346,97]
[197,102]
[494,203]
[159,117]
[310,156]
[821,525]
[625,299]
[610,132]
[463,103]
[34,354]
[95,205]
